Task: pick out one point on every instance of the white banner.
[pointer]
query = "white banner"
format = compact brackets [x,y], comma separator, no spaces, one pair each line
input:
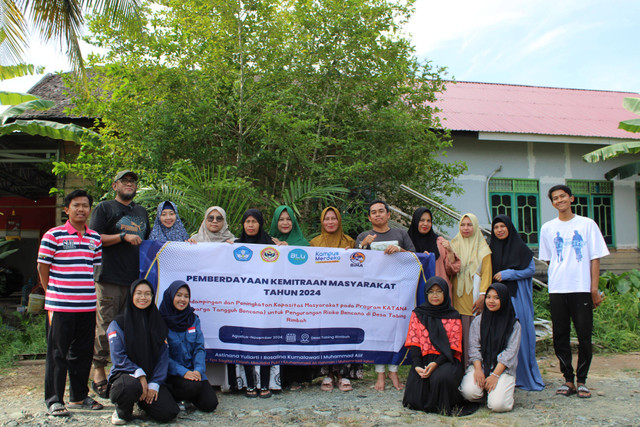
[293,305]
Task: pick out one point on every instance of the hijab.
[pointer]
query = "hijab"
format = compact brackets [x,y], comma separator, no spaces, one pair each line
[176,233]
[293,237]
[471,251]
[176,320]
[262,237]
[204,235]
[144,330]
[510,253]
[337,239]
[423,242]
[431,316]
[496,328]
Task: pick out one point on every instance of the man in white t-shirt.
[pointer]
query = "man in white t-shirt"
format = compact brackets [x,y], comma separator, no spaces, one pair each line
[573,245]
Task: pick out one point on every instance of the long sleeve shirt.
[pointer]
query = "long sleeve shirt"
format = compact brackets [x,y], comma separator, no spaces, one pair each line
[186,351]
[527,273]
[122,362]
[508,357]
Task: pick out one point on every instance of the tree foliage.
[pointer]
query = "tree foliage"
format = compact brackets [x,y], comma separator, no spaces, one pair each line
[325,90]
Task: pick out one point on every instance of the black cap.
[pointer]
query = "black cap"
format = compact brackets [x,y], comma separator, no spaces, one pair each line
[122,174]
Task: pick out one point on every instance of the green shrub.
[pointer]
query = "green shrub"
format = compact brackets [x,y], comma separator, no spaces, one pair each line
[21,334]
[616,324]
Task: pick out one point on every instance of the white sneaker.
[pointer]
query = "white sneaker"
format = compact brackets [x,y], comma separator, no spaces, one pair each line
[116,420]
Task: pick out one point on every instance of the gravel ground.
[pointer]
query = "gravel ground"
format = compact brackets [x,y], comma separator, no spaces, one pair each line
[614,382]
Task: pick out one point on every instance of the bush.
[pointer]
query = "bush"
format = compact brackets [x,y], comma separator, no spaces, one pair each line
[616,324]
[21,333]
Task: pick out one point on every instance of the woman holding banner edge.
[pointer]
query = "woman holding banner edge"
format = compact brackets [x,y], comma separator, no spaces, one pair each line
[253,232]
[332,236]
[285,230]
[426,240]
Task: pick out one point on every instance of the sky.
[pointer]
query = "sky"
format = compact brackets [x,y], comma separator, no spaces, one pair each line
[585,44]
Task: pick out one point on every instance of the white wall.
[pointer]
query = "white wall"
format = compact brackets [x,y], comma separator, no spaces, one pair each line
[550,163]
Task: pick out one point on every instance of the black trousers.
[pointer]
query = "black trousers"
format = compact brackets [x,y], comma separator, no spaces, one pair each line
[126,390]
[69,349]
[200,393]
[265,372]
[565,308]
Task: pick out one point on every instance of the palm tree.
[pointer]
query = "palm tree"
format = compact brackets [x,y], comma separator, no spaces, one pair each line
[630,147]
[59,20]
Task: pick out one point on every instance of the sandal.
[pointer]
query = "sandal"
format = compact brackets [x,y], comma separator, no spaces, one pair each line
[101,388]
[583,392]
[344,385]
[265,394]
[87,403]
[251,393]
[565,390]
[295,386]
[57,409]
[327,384]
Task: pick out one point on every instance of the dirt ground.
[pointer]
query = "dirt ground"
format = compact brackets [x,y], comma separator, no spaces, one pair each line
[614,381]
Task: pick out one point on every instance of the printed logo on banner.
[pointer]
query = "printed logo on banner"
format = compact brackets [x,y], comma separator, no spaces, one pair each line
[243,253]
[327,256]
[304,338]
[298,257]
[357,259]
[269,254]
[290,337]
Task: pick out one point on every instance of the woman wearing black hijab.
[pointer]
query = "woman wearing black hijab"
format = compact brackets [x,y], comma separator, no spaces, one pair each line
[494,340]
[253,232]
[140,356]
[187,369]
[426,240]
[512,263]
[253,229]
[435,345]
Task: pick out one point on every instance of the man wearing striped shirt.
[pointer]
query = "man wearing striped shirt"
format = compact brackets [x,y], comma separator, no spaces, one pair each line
[66,259]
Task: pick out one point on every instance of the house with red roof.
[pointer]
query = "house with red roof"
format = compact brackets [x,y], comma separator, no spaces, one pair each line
[519,141]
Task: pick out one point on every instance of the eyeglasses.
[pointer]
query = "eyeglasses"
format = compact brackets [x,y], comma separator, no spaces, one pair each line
[218,218]
[436,292]
[128,181]
[142,294]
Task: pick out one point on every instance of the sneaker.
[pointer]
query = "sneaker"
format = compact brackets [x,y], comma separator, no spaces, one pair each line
[116,420]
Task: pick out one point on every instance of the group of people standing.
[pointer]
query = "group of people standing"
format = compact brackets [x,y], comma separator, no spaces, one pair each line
[473,334]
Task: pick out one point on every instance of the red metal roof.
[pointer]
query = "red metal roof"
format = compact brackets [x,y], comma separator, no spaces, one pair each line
[489,107]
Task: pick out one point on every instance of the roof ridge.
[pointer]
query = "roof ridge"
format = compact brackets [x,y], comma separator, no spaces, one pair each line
[540,87]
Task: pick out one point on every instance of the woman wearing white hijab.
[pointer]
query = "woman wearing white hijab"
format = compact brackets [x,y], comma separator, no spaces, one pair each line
[214,227]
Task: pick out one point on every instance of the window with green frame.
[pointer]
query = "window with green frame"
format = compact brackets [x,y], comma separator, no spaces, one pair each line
[519,200]
[594,199]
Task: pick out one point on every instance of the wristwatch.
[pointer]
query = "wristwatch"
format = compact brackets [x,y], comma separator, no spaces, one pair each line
[124,233]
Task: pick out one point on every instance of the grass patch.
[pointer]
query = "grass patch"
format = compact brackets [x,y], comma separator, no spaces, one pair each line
[20,333]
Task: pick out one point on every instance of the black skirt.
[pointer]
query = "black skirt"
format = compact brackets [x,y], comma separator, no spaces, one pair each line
[438,393]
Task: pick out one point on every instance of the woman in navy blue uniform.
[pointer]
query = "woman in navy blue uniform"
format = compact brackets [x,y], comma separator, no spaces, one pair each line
[140,357]
[186,377]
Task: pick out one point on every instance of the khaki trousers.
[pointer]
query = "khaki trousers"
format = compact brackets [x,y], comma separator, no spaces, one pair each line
[111,299]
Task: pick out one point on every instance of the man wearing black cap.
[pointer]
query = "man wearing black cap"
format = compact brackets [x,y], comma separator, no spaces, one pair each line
[122,225]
